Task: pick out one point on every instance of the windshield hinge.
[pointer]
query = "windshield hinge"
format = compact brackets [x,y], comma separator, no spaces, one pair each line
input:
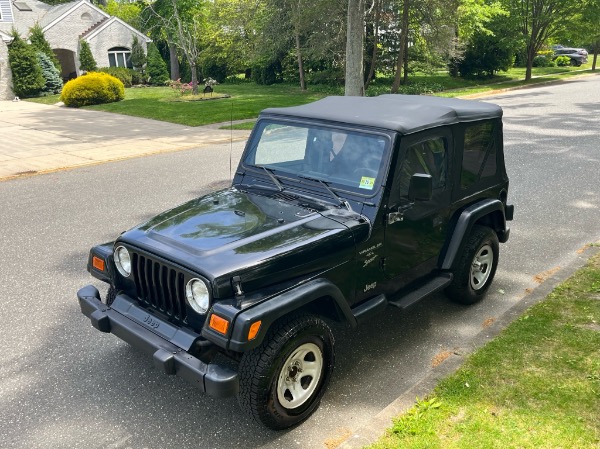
[236,284]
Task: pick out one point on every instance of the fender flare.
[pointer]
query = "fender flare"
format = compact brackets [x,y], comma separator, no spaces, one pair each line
[283,304]
[464,225]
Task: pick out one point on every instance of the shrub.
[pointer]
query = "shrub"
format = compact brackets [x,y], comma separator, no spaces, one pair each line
[86,59]
[123,74]
[543,61]
[26,71]
[39,43]
[267,73]
[93,88]
[50,73]
[138,56]
[563,61]
[484,55]
[137,77]
[156,68]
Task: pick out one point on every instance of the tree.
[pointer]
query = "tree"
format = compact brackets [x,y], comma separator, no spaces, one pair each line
[537,21]
[354,48]
[27,75]
[126,11]
[53,81]
[138,56]
[584,29]
[403,47]
[86,59]
[183,21]
[157,67]
[39,43]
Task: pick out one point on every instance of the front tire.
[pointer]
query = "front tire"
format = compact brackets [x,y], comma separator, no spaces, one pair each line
[283,380]
[476,268]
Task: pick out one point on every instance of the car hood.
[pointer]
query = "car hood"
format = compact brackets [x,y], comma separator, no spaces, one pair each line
[231,231]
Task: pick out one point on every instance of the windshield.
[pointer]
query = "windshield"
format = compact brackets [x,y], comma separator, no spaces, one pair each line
[346,160]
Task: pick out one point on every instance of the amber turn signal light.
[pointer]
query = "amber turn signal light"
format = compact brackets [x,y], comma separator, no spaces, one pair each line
[98,263]
[254,330]
[218,324]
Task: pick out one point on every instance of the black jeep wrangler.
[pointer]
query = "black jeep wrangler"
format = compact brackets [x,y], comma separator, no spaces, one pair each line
[337,210]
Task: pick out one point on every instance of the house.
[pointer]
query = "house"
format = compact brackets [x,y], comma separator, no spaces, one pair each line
[64,25]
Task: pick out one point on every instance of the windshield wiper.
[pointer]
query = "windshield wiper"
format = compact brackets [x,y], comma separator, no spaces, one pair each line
[269,171]
[339,199]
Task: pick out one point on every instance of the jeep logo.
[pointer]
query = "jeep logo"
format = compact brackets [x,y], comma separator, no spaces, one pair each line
[370,286]
[151,322]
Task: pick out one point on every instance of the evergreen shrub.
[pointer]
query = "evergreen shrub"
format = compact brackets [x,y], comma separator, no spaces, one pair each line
[39,43]
[156,68]
[137,77]
[86,59]
[122,73]
[92,88]
[27,76]
[51,75]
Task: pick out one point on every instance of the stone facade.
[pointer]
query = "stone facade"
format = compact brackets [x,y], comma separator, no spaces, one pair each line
[64,26]
[5,75]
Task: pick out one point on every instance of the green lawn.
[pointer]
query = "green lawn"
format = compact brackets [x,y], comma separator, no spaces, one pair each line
[535,386]
[248,99]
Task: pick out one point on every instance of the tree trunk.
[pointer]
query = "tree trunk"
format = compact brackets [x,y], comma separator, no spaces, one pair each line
[194,78]
[300,63]
[530,56]
[354,48]
[174,62]
[405,77]
[375,53]
[596,48]
[401,49]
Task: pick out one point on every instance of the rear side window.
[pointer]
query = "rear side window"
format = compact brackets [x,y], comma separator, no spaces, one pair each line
[479,157]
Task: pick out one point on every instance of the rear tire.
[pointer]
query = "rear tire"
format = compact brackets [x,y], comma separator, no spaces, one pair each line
[282,380]
[475,270]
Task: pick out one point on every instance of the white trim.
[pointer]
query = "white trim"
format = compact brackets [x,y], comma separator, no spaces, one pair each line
[12,13]
[70,10]
[110,22]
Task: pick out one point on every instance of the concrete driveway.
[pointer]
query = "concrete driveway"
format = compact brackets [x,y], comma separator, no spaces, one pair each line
[37,138]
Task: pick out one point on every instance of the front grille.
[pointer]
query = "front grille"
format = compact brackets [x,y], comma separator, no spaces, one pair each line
[159,286]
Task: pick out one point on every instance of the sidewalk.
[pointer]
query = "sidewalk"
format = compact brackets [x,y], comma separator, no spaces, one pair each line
[37,138]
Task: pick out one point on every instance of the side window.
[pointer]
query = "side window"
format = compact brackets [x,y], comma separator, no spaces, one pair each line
[428,157]
[479,157]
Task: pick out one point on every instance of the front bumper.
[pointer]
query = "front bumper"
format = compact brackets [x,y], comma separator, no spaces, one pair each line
[213,379]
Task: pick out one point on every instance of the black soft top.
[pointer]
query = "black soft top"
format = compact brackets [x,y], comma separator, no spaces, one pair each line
[402,113]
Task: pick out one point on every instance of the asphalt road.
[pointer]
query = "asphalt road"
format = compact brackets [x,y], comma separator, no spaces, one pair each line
[65,385]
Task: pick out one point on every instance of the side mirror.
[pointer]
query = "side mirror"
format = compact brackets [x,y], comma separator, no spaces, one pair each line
[420,187]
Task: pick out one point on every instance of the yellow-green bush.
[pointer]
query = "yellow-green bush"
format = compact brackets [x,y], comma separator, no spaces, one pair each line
[92,88]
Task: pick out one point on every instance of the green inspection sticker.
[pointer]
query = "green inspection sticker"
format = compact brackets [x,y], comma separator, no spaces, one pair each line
[367,183]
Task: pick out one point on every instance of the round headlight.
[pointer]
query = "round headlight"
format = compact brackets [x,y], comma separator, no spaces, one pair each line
[123,261]
[196,293]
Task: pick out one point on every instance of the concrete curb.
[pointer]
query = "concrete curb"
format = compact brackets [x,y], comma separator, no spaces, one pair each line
[377,426]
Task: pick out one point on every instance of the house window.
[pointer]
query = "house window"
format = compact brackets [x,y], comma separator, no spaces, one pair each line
[119,57]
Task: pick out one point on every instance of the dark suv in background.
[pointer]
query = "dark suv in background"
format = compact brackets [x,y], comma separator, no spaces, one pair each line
[578,56]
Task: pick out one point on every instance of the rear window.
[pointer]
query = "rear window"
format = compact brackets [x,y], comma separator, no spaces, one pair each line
[479,157]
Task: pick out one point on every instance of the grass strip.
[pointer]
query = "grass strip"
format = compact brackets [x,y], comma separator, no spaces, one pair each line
[537,385]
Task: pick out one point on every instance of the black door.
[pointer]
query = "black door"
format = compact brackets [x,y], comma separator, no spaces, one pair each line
[415,231]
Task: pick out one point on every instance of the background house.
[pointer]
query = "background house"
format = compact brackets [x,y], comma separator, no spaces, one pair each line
[64,25]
